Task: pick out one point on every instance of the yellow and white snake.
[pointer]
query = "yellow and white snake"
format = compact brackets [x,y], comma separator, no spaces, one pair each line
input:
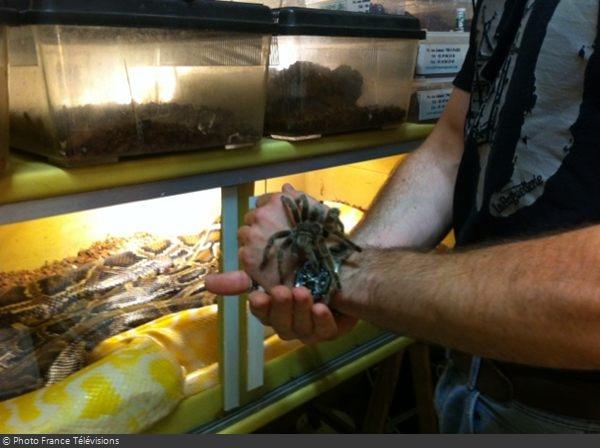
[99,316]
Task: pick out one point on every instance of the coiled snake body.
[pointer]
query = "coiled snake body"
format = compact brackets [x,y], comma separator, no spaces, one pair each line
[48,327]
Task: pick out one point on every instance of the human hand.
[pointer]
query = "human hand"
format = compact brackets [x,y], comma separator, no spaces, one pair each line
[290,311]
[268,218]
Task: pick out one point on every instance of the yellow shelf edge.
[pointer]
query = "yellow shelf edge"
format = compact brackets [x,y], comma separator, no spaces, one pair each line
[301,396]
[206,406]
[30,178]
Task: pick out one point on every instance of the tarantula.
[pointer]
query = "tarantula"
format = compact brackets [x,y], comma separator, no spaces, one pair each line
[307,238]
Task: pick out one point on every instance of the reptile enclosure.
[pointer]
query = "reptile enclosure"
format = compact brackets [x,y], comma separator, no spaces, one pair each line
[224,371]
[105,324]
[337,71]
[95,81]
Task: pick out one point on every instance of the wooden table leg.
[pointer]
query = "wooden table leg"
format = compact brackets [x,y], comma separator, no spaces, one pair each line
[423,387]
[383,394]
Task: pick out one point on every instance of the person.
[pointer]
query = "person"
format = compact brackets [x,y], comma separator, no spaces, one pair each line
[513,166]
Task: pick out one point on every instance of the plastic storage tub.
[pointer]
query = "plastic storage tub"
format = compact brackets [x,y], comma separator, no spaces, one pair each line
[98,80]
[442,15]
[334,71]
[370,6]
[442,53]
[7,16]
[273,4]
[429,99]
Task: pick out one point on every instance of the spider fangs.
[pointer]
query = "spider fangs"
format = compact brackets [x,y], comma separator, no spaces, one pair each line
[307,239]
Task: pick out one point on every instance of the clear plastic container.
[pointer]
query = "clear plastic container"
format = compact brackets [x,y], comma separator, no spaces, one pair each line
[334,72]
[370,6]
[442,53]
[442,15]
[273,4]
[429,99]
[85,93]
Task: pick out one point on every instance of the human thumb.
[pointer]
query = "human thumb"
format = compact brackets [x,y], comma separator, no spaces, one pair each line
[289,189]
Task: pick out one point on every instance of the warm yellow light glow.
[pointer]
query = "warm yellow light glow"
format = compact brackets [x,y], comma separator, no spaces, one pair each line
[29,244]
[138,84]
[288,51]
[350,216]
[169,217]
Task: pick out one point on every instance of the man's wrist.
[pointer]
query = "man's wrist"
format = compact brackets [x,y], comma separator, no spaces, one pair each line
[347,271]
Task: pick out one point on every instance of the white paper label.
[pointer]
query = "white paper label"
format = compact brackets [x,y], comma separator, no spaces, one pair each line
[432,103]
[440,58]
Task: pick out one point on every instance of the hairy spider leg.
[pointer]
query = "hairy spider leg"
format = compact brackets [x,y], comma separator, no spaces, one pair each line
[303,205]
[291,210]
[333,218]
[284,245]
[340,251]
[270,242]
[309,251]
[343,237]
[316,214]
[328,260]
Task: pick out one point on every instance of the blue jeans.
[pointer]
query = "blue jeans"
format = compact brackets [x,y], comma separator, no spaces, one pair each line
[463,409]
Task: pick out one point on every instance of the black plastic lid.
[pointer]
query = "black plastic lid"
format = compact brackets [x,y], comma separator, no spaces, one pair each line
[8,16]
[198,14]
[322,22]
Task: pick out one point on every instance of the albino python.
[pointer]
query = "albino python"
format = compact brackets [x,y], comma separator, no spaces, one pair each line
[49,327]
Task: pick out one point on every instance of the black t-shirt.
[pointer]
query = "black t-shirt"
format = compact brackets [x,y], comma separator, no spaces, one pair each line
[532,136]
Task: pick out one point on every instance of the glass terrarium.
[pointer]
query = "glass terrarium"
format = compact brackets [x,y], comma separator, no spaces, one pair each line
[273,4]
[442,15]
[334,71]
[95,83]
[370,6]
[105,322]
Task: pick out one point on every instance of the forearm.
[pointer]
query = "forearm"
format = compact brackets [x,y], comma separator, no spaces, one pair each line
[534,302]
[414,208]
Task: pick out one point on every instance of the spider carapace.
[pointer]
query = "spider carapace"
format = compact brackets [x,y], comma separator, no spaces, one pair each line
[316,236]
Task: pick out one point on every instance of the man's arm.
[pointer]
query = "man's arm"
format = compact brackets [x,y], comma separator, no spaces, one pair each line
[414,208]
[534,302]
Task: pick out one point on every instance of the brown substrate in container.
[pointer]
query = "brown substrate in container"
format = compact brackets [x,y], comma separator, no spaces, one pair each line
[97,133]
[308,98]
[97,251]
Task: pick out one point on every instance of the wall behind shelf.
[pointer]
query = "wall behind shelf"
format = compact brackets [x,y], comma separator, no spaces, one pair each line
[31,244]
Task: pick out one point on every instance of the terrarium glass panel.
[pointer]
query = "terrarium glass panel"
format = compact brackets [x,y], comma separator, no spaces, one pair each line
[273,4]
[87,95]
[326,85]
[442,15]
[105,324]
[366,6]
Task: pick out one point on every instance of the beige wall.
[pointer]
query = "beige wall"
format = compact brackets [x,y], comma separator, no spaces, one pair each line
[355,184]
